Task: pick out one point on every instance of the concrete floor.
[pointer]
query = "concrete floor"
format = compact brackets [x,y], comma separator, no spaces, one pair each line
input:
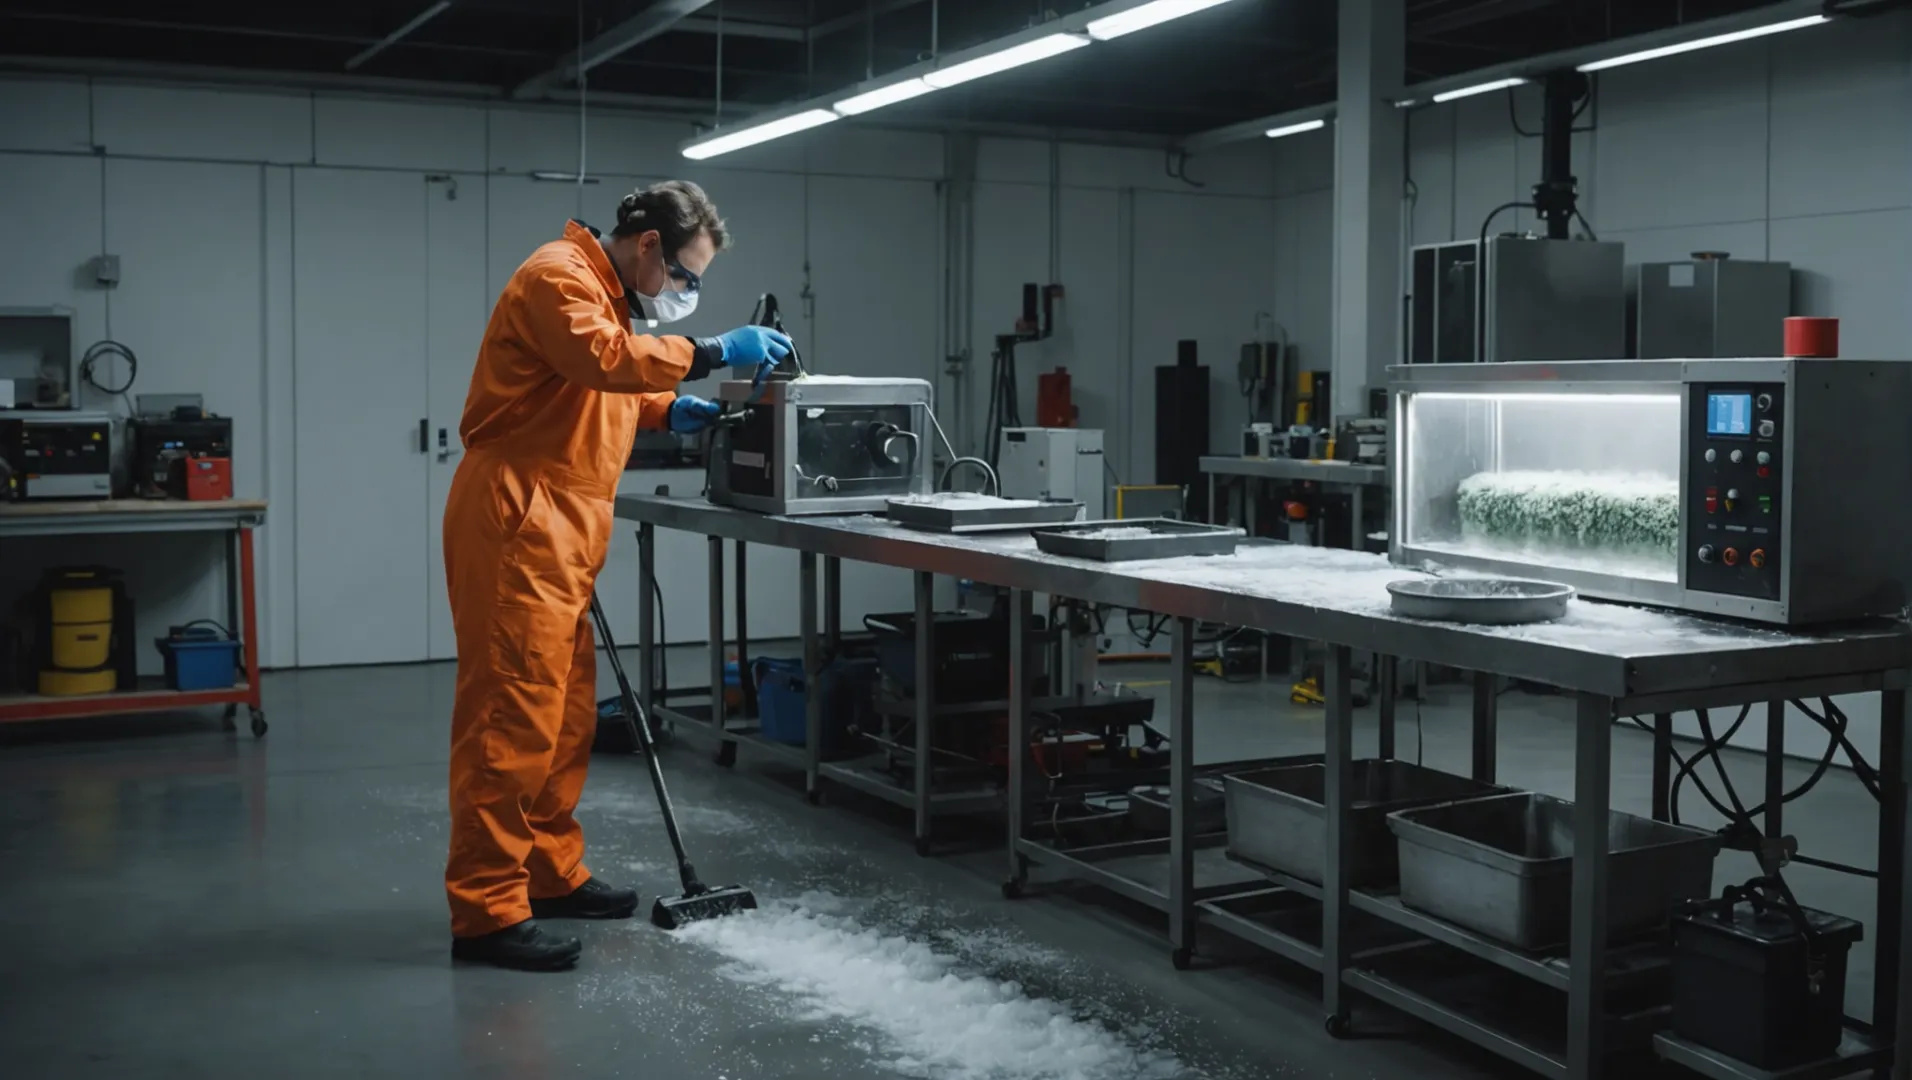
[190,903]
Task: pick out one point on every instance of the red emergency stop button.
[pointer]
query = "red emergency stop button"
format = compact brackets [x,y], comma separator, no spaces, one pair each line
[1757,558]
[1730,556]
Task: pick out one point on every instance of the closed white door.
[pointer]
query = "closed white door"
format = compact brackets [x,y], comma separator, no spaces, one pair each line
[457,305]
[360,293]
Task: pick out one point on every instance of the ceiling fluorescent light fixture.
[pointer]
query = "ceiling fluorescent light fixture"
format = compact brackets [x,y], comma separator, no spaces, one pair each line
[758,133]
[1296,129]
[553,176]
[1706,42]
[883,95]
[1013,57]
[1145,16]
[1483,88]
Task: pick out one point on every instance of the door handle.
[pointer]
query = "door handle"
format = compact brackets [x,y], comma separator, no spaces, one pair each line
[445,451]
[424,435]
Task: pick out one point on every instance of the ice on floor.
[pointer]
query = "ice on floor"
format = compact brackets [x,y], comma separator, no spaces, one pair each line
[934,1018]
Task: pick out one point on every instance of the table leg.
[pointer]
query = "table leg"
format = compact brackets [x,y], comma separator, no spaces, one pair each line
[715,550]
[1215,516]
[1250,488]
[246,624]
[1019,612]
[812,669]
[742,602]
[1388,672]
[1775,767]
[1181,794]
[925,703]
[1663,766]
[1587,939]
[646,619]
[1337,785]
[1486,725]
[1358,538]
[833,603]
[1893,947]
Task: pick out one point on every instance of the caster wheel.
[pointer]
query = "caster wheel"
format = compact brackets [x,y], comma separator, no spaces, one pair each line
[814,797]
[258,723]
[1183,959]
[727,755]
[1012,889]
[924,846]
[1339,1026]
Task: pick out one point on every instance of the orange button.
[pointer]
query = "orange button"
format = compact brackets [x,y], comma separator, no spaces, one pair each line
[1757,558]
[1730,557]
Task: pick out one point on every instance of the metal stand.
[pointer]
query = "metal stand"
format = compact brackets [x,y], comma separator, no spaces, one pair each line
[1486,730]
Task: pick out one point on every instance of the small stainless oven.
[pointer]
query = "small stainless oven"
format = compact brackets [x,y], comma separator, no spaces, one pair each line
[821,444]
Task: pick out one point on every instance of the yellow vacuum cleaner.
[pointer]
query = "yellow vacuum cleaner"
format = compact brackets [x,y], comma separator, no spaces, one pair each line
[85,622]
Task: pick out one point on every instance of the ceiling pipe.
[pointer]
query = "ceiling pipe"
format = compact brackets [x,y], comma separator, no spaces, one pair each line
[399,34]
[657,19]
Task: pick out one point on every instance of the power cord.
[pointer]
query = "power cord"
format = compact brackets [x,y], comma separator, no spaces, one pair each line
[104,350]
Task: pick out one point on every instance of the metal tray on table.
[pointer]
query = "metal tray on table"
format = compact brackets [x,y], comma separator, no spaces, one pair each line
[1277,818]
[1503,866]
[980,514]
[1144,538]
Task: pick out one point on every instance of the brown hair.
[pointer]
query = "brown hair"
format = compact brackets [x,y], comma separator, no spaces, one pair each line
[677,209]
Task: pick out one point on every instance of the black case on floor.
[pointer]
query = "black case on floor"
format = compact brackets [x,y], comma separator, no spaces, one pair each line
[1741,985]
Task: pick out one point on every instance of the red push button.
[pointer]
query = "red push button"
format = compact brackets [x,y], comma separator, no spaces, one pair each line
[1730,556]
[1712,500]
[1757,558]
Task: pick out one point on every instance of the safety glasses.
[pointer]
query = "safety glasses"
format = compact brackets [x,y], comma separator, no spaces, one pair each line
[690,282]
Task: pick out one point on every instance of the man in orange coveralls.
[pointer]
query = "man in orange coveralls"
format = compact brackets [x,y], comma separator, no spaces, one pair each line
[561,387]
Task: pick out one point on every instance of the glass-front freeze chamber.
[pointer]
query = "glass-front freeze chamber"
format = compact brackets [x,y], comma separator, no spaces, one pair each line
[1583,481]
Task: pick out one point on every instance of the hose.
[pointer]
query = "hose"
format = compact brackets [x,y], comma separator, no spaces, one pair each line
[102,350]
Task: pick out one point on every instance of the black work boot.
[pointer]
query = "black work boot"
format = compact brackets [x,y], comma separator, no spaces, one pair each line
[520,947]
[591,900]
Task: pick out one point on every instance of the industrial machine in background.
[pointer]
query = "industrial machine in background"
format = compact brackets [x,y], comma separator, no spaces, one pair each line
[821,445]
[1055,464]
[1055,399]
[1036,323]
[1755,489]
[179,451]
[56,454]
[36,358]
[1712,306]
[1535,299]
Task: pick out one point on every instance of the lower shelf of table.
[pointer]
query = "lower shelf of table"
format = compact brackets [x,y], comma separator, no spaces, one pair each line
[1287,922]
[1139,869]
[1491,1007]
[1857,1055]
[152,696]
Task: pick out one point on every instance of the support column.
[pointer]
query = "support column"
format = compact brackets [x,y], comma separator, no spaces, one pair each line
[1369,174]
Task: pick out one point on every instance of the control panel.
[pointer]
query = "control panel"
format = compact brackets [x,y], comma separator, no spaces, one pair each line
[1735,435]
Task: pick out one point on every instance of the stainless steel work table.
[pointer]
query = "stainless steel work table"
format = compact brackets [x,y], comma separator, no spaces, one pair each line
[1353,478]
[1612,661]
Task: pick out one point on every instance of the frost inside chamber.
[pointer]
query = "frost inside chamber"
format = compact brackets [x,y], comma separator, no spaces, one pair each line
[1582,481]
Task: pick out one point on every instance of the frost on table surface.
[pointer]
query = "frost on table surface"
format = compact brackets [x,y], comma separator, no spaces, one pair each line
[1625,514]
[967,500]
[1114,532]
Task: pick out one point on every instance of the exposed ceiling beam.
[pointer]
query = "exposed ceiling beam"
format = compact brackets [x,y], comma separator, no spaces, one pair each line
[1474,14]
[398,35]
[660,17]
[698,24]
[858,18]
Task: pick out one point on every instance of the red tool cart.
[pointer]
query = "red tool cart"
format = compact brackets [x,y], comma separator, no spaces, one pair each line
[236,518]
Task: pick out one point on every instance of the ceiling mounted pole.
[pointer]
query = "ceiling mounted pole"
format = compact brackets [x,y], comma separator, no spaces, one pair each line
[398,35]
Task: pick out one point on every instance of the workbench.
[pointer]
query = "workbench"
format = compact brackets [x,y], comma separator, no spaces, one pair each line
[236,518]
[1611,661]
[1355,479]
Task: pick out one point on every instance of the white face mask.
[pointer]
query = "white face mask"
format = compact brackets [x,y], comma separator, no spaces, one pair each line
[668,305]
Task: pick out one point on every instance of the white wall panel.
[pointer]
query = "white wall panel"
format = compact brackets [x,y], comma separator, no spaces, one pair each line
[278,556]
[395,134]
[520,140]
[1855,267]
[457,305]
[1743,239]
[1431,166]
[1012,248]
[1840,137]
[50,216]
[45,114]
[228,125]
[1486,171]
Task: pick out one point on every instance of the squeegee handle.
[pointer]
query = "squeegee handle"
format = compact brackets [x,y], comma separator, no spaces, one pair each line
[641,728]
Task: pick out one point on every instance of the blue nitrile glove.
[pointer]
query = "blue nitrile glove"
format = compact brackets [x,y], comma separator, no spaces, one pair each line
[690,415]
[757,349]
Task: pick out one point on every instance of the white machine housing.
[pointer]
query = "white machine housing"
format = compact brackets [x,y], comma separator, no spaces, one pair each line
[1054,463]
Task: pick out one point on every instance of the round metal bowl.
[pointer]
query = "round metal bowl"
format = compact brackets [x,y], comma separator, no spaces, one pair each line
[1490,601]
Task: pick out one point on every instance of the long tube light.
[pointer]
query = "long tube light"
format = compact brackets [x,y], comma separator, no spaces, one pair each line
[1102,22]
[858,104]
[758,133]
[1480,88]
[1109,27]
[1003,60]
[1705,43]
[1295,129]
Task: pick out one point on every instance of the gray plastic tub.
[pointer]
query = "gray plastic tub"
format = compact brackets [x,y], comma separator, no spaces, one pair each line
[1277,817]
[1503,867]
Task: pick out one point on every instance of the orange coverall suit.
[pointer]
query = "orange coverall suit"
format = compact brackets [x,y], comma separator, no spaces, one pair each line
[561,387]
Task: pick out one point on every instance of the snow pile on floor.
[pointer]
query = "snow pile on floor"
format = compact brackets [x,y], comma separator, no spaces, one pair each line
[936,1020]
